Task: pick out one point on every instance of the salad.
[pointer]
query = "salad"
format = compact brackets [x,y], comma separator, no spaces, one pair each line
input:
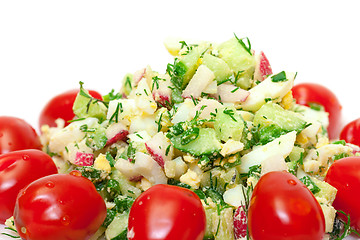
[219,124]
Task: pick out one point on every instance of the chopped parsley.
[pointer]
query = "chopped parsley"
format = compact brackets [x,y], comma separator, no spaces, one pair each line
[280,77]
[247,46]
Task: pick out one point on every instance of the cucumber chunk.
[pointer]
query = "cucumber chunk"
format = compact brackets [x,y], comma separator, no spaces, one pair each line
[185,67]
[86,106]
[205,143]
[223,225]
[327,191]
[218,66]
[127,187]
[128,84]
[239,60]
[117,230]
[228,124]
[273,114]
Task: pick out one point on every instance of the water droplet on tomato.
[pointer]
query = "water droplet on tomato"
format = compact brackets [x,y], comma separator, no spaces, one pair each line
[26,157]
[65,220]
[75,173]
[50,184]
[23,230]
[292,182]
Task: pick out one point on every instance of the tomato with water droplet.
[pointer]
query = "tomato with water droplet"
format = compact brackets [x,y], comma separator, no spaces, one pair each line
[167,212]
[18,169]
[57,207]
[283,208]
[17,134]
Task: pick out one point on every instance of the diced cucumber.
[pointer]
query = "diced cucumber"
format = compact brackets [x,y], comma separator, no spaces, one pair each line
[228,124]
[127,84]
[223,225]
[326,190]
[205,143]
[209,213]
[296,153]
[295,159]
[127,188]
[218,66]
[117,230]
[219,226]
[97,139]
[222,178]
[310,184]
[97,235]
[239,60]
[329,215]
[273,114]
[185,67]
[86,106]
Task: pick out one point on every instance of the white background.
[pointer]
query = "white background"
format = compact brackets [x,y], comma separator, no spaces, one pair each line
[47,47]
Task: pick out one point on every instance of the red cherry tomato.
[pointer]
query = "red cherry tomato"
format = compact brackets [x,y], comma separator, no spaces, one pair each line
[18,169]
[17,134]
[307,93]
[60,106]
[59,206]
[351,132]
[167,212]
[344,175]
[281,207]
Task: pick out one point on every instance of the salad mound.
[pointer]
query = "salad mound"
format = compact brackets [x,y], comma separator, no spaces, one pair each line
[214,122]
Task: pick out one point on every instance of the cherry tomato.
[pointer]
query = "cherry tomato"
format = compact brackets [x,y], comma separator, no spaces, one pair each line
[282,207]
[307,93]
[167,212]
[59,207]
[18,169]
[351,132]
[60,106]
[17,134]
[344,175]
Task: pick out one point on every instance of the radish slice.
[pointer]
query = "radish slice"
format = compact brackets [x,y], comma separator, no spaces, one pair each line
[120,136]
[205,107]
[262,68]
[116,132]
[84,159]
[228,93]
[161,90]
[240,223]
[138,75]
[157,147]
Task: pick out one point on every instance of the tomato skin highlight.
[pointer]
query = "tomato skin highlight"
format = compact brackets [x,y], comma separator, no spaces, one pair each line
[168,213]
[59,207]
[17,134]
[344,175]
[307,93]
[351,132]
[282,208]
[18,169]
[60,106]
